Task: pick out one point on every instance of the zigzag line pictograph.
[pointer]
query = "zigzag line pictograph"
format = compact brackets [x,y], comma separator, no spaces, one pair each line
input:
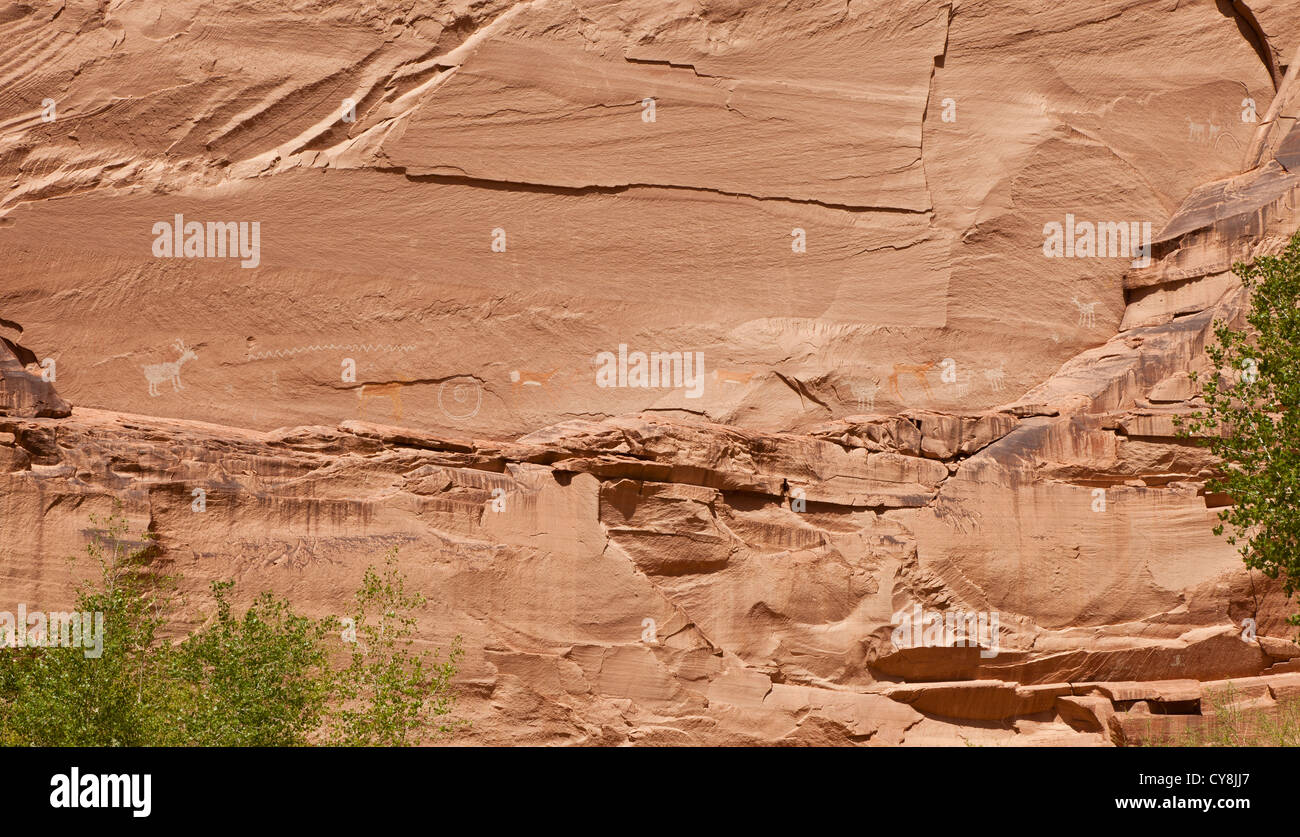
[330,347]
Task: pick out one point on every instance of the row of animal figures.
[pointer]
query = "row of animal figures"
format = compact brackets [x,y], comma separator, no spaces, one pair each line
[170,372]
[1208,132]
[996,378]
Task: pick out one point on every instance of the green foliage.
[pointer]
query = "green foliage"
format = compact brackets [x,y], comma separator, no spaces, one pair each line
[1229,724]
[1251,421]
[390,695]
[261,678]
[59,696]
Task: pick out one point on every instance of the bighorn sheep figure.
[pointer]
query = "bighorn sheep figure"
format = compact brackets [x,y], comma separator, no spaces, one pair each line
[161,373]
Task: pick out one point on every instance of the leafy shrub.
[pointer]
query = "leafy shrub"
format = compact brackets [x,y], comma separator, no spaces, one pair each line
[261,678]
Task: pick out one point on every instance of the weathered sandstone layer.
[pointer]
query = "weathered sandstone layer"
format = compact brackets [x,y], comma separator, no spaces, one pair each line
[838,209]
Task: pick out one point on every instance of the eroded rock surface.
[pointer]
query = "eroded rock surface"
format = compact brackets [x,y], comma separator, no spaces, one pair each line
[461,206]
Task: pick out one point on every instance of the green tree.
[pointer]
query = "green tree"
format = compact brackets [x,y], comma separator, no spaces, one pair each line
[389,695]
[1251,422]
[261,678]
[60,696]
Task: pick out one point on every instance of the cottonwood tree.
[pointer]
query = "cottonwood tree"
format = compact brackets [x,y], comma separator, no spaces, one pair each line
[1250,419]
[260,677]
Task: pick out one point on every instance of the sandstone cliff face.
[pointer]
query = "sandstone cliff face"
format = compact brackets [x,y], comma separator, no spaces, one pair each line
[460,222]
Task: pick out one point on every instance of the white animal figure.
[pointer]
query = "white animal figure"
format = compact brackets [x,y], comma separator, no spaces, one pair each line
[1087,312]
[997,377]
[866,394]
[161,373]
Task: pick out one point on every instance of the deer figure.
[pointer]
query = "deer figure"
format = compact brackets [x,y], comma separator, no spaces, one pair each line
[997,377]
[866,394]
[916,369]
[1087,312]
[392,391]
[522,378]
[1196,130]
[161,373]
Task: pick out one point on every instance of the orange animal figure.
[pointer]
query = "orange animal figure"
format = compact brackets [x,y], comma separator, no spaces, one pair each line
[916,369]
[368,391]
[726,376]
[522,378]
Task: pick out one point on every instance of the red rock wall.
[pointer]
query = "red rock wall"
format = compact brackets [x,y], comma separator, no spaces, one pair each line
[840,207]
